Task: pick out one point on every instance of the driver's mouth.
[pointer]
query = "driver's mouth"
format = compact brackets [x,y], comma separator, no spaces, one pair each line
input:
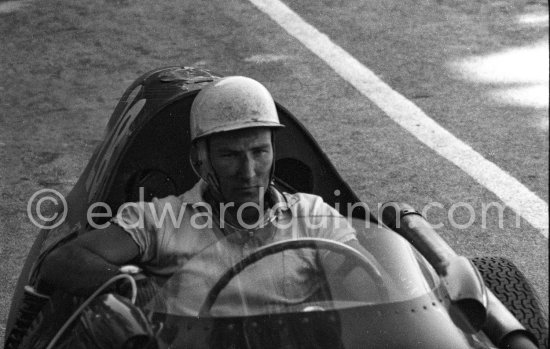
[247,189]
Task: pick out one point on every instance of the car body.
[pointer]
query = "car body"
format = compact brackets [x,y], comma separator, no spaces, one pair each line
[443,301]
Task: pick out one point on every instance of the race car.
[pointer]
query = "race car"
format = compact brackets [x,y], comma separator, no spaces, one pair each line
[418,292]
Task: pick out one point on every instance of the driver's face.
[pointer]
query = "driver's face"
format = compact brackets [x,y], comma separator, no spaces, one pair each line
[242,160]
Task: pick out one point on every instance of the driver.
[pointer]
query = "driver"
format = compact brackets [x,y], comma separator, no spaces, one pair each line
[233,210]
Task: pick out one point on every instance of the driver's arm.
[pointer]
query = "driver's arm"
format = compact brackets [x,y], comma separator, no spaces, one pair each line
[356,284]
[85,263]
[333,262]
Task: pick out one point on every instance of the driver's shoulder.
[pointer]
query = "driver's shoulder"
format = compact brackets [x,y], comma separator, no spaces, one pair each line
[193,196]
[172,202]
[305,203]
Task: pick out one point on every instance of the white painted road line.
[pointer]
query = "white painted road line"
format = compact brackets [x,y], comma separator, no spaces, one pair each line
[514,194]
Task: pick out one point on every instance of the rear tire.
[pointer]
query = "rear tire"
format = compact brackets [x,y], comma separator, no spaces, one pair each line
[513,289]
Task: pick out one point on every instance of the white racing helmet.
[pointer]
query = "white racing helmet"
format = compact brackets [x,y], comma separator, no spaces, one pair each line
[229,104]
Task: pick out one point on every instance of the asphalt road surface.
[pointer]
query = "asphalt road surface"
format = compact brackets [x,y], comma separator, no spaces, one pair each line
[478,69]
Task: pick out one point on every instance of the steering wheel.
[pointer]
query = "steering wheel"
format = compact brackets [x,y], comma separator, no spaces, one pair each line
[317,243]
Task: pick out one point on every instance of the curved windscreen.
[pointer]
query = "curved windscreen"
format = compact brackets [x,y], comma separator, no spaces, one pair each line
[309,264]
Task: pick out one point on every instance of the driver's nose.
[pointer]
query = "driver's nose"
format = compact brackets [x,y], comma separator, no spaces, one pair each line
[247,167]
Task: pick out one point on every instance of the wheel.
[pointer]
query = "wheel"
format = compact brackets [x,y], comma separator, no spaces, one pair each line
[513,289]
[277,247]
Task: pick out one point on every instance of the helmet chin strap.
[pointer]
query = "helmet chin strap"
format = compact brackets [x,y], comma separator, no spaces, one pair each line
[201,164]
[272,173]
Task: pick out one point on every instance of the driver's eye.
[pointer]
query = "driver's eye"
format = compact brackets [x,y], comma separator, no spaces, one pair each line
[260,152]
[226,155]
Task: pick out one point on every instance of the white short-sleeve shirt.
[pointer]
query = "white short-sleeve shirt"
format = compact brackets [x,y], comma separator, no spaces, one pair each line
[180,241]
